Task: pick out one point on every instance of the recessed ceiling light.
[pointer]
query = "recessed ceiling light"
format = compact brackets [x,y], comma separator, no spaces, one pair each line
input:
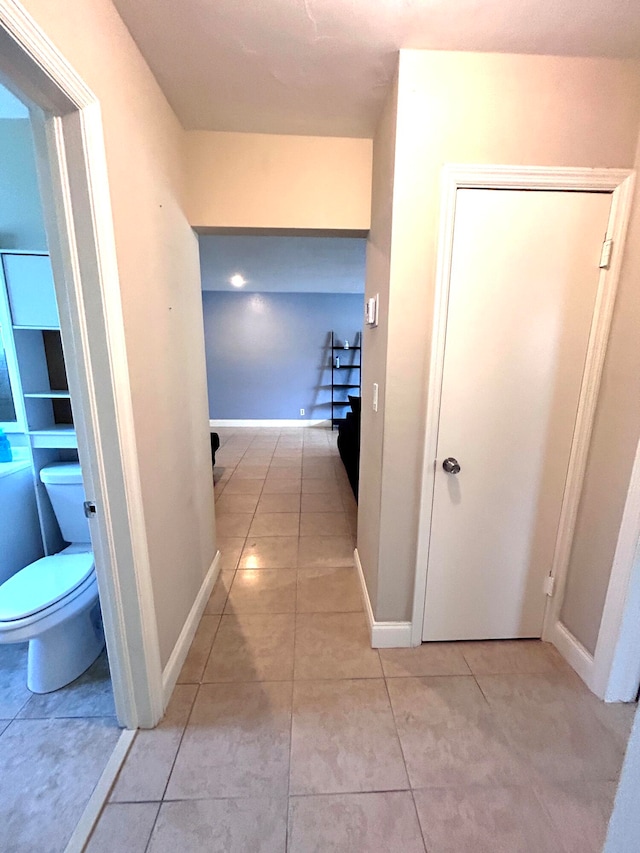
[237,280]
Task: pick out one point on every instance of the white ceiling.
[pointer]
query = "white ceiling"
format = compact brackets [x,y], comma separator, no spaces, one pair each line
[321,67]
[283,264]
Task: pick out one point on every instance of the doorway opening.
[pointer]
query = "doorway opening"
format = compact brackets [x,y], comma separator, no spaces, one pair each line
[69,148]
[52,638]
[283,317]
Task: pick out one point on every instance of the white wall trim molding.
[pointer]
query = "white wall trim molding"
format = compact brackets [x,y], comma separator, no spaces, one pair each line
[275,422]
[617,661]
[391,635]
[434,391]
[384,635]
[364,592]
[74,183]
[183,643]
[619,182]
[573,652]
[28,37]
[478,176]
[93,809]
[603,312]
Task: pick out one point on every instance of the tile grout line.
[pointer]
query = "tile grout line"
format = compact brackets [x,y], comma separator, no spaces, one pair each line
[215,633]
[173,764]
[415,809]
[153,826]
[286,680]
[533,788]
[484,696]
[293,674]
[175,757]
[307,796]
[395,726]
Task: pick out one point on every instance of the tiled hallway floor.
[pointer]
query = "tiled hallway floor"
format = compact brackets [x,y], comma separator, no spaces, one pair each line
[287,732]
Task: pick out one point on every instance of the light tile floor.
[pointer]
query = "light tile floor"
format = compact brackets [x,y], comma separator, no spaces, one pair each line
[288,732]
[53,749]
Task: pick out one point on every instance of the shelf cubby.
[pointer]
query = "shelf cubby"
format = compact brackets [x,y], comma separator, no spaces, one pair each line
[31,335]
[341,374]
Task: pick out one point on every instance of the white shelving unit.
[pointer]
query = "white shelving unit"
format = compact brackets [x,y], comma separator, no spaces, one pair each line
[33,347]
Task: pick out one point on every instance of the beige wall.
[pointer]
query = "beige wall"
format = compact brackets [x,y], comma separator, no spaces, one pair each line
[465,108]
[375,342]
[160,284]
[616,433]
[253,180]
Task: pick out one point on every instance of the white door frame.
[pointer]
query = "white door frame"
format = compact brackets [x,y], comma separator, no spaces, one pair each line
[619,182]
[72,167]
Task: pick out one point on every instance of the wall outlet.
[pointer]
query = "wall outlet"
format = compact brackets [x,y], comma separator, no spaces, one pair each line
[301,413]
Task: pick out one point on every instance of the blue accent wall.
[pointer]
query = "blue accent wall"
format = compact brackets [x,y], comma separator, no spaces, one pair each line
[268,354]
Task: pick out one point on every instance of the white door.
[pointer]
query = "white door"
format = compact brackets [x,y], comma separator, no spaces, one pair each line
[523,284]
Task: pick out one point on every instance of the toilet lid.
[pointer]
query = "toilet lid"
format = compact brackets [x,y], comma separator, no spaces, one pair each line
[42,583]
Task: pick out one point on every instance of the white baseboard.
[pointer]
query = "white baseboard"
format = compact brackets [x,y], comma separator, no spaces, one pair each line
[180,650]
[391,635]
[301,423]
[98,798]
[573,652]
[363,590]
[384,635]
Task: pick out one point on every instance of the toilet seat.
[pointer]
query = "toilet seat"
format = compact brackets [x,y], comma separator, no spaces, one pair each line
[42,584]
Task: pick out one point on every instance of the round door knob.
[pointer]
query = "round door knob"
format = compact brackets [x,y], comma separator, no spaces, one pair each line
[451,465]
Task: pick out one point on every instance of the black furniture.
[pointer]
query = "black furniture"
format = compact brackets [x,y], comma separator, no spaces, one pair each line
[349,443]
[345,376]
[215,444]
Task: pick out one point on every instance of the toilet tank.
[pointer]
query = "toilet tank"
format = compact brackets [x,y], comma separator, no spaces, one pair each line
[63,482]
[20,539]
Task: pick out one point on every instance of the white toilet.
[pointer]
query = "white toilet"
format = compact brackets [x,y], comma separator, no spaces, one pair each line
[53,603]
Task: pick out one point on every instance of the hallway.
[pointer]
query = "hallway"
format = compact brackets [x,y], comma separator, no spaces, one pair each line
[287,732]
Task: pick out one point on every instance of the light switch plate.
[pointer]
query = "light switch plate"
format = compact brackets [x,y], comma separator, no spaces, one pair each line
[371,311]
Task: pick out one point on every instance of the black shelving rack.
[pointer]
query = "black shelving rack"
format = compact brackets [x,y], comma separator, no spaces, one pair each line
[345,378]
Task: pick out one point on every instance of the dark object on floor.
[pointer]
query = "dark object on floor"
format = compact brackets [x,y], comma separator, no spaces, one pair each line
[215,444]
[349,443]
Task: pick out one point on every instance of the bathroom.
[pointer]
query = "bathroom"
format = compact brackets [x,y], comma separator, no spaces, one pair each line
[55,685]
